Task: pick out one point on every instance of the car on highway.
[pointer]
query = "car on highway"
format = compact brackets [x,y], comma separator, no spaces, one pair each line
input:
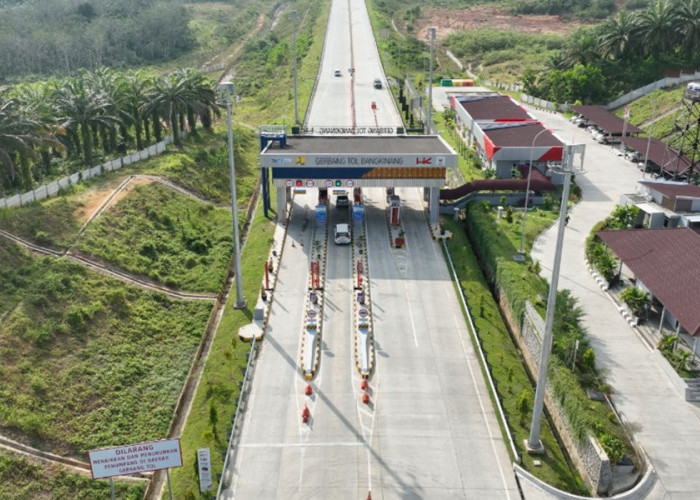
[377,83]
[342,201]
[336,72]
[341,235]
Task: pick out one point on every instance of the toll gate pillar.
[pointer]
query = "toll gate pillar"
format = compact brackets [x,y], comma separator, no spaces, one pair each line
[434,206]
[282,193]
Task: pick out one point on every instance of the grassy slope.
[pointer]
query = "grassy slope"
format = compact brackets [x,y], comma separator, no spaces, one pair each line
[87,361]
[165,235]
[23,479]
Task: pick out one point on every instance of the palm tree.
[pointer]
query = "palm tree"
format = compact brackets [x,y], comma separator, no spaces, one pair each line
[618,36]
[203,99]
[168,99]
[34,99]
[136,87]
[82,111]
[657,28]
[688,22]
[581,47]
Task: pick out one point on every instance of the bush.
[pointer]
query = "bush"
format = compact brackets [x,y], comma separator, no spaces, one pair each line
[636,299]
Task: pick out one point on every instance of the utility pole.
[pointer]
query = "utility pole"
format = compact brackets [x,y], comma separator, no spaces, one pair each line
[229,87]
[533,444]
[294,55]
[429,120]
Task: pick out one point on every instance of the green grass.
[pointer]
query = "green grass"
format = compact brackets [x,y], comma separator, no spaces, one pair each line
[273,103]
[165,235]
[23,479]
[85,360]
[225,367]
[659,108]
[506,367]
[50,223]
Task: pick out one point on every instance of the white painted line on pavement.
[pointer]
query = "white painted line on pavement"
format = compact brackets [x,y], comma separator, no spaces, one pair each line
[303,445]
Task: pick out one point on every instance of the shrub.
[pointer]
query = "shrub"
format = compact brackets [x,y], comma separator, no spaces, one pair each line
[636,299]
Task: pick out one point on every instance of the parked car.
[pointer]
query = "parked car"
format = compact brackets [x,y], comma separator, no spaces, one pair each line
[632,156]
[342,236]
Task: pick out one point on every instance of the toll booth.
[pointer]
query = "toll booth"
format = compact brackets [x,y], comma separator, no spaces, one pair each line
[357,195]
[323,196]
[394,210]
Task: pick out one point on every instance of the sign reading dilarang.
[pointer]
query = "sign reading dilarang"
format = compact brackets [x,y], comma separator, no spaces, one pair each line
[135,458]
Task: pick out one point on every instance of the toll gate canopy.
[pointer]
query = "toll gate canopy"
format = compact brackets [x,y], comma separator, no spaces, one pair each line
[359,161]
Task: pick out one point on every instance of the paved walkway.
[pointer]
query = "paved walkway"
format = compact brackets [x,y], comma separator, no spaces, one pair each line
[666,426]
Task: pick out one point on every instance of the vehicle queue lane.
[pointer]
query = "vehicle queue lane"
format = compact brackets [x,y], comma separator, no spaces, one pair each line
[435,432]
[272,428]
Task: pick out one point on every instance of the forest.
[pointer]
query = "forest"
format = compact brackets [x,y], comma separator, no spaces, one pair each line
[49,37]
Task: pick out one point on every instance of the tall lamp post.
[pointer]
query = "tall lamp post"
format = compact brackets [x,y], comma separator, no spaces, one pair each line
[521,250]
[294,55]
[429,117]
[533,444]
[229,87]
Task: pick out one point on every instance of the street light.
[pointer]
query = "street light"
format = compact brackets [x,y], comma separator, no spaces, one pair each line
[651,129]
[229,87]
[294,55]
[521,251]
[429,118]
[533,444]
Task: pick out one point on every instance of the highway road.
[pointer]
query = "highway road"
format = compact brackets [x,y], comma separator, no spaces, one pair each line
[429,430]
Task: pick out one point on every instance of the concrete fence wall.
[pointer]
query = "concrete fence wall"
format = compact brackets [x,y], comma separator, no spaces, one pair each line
[52,188]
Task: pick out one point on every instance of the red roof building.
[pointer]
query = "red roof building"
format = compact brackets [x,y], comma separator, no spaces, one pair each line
[504,135]
[666,262]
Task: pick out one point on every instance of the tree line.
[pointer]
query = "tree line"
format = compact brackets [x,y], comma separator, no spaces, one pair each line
[55,127]
[46,37]
[629,50]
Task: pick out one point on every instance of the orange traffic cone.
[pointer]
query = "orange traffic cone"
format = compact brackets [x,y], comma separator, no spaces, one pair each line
[364,384]
[365,398]
[308,390]
[305,414]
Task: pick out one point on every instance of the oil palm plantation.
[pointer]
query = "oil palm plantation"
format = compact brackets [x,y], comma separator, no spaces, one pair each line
[182,96]
[82,110]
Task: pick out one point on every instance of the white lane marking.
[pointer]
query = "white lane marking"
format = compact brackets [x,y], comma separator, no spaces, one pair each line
[410,314]
[303,445]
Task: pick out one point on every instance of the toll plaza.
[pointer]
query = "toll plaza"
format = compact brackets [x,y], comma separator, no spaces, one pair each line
[354,162]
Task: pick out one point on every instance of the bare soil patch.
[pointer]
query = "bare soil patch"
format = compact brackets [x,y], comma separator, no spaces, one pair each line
[479,17]
[93,198]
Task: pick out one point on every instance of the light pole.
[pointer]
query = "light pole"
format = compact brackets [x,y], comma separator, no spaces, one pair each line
[294,55]
[229,87]
[533,443]
[651,128]
[521,250]
[429,119]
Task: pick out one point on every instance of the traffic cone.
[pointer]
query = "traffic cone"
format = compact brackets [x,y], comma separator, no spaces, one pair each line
[364,384]
[369,496]
[305,414]
[365,398]
[308,390]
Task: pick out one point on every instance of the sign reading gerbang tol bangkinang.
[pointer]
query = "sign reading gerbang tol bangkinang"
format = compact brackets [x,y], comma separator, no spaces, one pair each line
[135,458]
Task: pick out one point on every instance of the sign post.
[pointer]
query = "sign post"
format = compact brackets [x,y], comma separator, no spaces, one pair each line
[134,459]
[204,465]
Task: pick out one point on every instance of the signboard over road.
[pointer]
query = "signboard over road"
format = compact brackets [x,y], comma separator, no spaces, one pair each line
[135,458]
